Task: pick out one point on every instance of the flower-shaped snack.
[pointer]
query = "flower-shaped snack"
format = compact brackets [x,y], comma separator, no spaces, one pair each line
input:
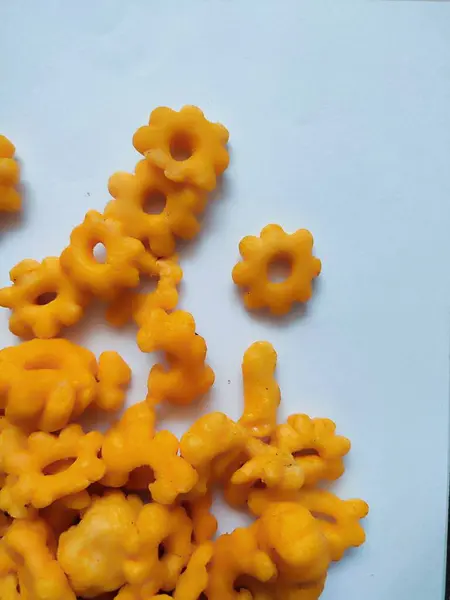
[33,566]
[259,254]
[235,555]
[291,536]
[187,377]
[315,446]
[185,145]
[42,299]
[113,376]
[261,391]
[50,467]
[120,268]
[137,305]
[135,204]
[9,177]
[93,552]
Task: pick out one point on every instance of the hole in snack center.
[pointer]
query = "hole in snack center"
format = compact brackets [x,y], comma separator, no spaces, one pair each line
[181,147]
[99,252]
[279,269]
[155,203]
[46,298]
[323,517]
[58,466]
[305,452]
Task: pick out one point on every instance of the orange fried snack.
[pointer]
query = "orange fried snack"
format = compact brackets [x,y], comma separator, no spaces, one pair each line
[158,550]
[260,253]
[265,467]
[235,555]
[211,438]
[113,376]
[137,305]
[291,536]
[187,376]
[130,444]
[261,391]
[315,446]
[93,553]
[120,269]
[133,195]
[42,299]
[194,580]
[204,523]
[46,383]
[48,467]
[339,520]
[32,567]
[10,200]
[185,145]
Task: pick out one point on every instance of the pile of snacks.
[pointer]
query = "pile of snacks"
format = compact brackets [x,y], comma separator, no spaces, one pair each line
[128,514]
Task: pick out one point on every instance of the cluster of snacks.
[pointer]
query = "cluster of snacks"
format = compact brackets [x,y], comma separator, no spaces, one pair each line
[126,514]
[10,200]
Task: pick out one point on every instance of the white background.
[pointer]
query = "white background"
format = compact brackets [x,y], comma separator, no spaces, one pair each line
[339,117]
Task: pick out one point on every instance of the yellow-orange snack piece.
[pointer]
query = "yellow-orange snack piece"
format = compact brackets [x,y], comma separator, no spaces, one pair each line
[42,299]
[204,523]
[261,391]
[260,253]
[235,555]
[159,530]
[133,198]
[315,446]
[123,255]
[10,200]
[212,437]
[49,467]
[32,567]
[187,376]
[266,466]
[130,444]
[46,383]
[113,376]
[137,305]
[291,536]
[339,520]
[194,580]
[185,145]
[92,553]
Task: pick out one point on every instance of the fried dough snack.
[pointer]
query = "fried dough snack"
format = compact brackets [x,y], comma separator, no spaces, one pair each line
[133,195]
[187,376]
[42,299]
[259,253]
[187,147]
